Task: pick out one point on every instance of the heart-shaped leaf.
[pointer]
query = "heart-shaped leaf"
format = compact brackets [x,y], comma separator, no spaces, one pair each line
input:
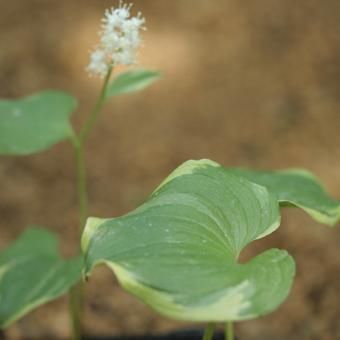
[178,251]
[299,188]
[32,124]
[131,81]
[32,273]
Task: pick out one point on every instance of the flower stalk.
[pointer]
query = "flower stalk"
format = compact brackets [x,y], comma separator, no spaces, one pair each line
[88,125]
[78,142]
[119,40]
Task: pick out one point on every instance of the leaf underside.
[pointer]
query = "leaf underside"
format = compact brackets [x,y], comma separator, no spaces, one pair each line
[32,124]
[32,273]
[178,251]
[300,188]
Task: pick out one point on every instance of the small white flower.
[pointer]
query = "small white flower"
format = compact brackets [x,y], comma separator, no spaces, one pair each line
[119,40]
[98,63]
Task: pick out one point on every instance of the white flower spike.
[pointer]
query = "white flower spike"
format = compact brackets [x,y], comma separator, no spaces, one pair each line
[119,40]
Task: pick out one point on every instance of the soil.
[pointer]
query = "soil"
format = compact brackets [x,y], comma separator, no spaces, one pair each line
[245,83]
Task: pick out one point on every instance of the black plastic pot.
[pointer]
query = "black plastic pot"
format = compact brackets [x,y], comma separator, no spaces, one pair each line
[178,335]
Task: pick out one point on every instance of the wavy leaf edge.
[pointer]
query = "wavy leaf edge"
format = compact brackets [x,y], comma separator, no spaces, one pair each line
[230,303]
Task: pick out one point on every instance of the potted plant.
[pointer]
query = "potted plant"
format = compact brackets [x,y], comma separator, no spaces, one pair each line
[177,252]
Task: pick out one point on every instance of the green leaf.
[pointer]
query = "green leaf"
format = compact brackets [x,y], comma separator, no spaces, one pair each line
[299,188]
[178,251]
[32,124]
[32,273]
[131,81]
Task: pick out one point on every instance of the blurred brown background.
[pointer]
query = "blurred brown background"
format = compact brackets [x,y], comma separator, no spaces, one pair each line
[245,83]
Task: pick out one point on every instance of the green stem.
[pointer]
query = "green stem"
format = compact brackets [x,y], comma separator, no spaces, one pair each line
[86,129]
[76,310]
[81,182]
[229,331]
[77,292]
[209,332]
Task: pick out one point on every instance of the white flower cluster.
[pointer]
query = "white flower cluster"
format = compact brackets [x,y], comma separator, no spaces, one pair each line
[119,40]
